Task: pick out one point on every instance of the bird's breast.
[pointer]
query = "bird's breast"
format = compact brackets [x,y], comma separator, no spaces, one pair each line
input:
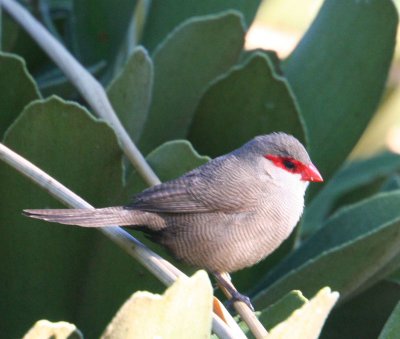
[230,241]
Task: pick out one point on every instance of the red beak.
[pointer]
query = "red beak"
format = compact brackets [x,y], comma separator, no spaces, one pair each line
[310,173]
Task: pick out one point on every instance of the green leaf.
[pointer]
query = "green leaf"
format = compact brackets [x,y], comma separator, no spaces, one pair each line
[165,15]
[99,28]
[356,247]
[191,56]
[392,183]
[17,89]
[174,158]
[185,310]
[170,160]
[45,264]
[54,82]
[364,315]
[250,100]
[392,327]
[18,41]
[282,309]
[278,312]
[356,175]
[130,92]
[338,78]
[307,321]
[9,32]
[44,329]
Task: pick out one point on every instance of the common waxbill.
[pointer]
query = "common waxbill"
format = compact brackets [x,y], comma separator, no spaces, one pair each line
[225,215]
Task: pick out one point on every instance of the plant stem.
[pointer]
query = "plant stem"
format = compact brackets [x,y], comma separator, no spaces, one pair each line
[86,84]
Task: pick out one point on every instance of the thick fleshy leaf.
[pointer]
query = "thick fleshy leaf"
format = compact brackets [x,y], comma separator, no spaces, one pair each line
[165,15]
[378,134]
[54,82]
[99,28]
[282,309]
[130,92]
[364,315]
[170,160]
[307,321]
[392,327]
[17,89]
[356,247]
[277,312]
[44,329]
[9,32]
[174,158]
[354,176]
[338,78]
[45,264]
[185,310]
[249,100]
[392,183]
[17,41]
[190,57]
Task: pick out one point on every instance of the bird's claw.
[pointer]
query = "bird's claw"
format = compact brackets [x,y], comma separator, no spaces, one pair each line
[236,296]
[224,281]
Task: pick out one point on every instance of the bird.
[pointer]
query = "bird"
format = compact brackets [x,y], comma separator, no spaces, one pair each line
[223,216]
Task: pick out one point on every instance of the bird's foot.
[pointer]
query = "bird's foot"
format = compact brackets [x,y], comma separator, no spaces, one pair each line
[224,281]
[236,296]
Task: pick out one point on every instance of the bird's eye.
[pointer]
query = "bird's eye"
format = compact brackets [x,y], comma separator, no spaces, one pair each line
[289,164]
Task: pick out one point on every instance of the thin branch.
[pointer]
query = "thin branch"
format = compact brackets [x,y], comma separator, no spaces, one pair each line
[86,84]
[247,316]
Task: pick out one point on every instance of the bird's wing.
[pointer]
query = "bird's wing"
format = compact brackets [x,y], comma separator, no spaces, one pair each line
[209,188]
[170,197]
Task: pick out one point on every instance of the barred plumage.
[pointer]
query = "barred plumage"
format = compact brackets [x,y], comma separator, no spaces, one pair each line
[223,216]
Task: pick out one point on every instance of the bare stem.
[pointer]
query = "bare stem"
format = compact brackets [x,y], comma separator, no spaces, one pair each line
[86,84]
[246,314]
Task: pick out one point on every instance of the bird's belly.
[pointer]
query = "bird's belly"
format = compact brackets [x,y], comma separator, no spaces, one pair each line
[249,243]
[235,242]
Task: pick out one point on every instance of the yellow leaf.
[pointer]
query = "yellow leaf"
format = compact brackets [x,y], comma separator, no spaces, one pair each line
[44,329]
[307,321]
[184,311]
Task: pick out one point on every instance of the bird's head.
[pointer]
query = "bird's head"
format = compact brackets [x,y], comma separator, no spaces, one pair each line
[282,155]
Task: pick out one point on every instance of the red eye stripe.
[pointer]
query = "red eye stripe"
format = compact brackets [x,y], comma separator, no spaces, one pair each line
[307,172]
[287,163]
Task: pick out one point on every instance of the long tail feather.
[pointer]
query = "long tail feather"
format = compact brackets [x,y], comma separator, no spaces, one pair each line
[99,217]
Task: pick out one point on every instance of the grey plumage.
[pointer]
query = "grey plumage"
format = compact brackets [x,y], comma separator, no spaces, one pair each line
[223,216]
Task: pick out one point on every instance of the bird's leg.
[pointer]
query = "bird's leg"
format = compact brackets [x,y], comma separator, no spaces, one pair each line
[224,280]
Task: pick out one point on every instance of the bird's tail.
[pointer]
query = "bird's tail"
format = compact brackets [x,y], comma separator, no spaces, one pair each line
[96,217]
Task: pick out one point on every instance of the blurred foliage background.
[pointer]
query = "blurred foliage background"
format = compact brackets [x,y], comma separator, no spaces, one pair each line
[280,24]
[206,78]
